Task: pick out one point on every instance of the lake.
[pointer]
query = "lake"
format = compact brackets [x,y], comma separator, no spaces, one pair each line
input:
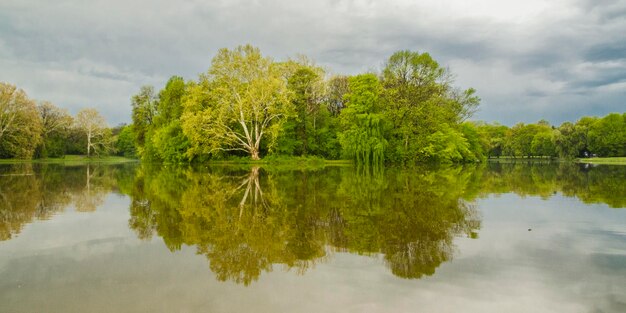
[496,237]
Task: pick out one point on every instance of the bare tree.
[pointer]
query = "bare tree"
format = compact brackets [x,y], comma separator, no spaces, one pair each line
[93,125]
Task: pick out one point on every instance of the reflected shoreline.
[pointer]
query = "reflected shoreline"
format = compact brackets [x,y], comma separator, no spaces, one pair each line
[245,220]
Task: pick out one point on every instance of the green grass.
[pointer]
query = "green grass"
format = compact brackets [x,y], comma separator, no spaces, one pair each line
[281,161]
[614,160]
[72,159]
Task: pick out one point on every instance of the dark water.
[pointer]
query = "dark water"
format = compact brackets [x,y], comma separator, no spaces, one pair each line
[141,238]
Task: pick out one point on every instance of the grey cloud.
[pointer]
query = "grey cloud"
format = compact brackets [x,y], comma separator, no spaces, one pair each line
[107,49]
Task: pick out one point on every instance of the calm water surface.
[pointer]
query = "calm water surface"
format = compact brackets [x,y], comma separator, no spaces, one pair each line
[144,238]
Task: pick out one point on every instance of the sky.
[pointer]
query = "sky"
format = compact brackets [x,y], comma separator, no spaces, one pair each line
[557,60]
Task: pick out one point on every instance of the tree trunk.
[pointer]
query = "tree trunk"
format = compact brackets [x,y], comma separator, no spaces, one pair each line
[254,154]
[88,144]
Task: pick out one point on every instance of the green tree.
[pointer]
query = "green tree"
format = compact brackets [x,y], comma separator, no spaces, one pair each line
[20,124]
[520,138]
[168,139]
[241,100]
[125,144]
[56,123]
[607,136]
[419,98]
[543,144]
[495,135]
[448,145]
[144,106]
[567,141]
[362,122]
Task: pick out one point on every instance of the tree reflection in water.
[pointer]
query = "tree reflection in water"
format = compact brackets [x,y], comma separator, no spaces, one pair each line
[247,221]
[38,191]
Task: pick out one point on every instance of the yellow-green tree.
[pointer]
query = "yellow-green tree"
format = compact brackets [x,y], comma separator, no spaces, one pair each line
[241,100]
[20,125]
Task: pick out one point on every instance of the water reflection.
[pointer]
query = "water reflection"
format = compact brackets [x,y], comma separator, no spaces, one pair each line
[38,191]
[245,221]
[248,220]
[591,184]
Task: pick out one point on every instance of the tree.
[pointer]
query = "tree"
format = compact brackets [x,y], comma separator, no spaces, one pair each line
[418,99]
[94,127]
[362,122]
[54,121]
[338,87]
[167,138]
[241,100]
[125,144]
[543,144]
[144,110]
[520,138]
[20,125]
[607,136]
[567,141]
[496,138]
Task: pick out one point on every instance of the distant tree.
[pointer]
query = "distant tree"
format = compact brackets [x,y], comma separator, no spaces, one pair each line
[55,125]
[543,144]
[94,128]
[567,141]
[125,144]
[144,105]
[495,135]
[20,125]
[607,136]
[338,87]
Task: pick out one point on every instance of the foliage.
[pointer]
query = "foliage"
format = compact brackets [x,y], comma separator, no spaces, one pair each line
[246,221]
[125,144]
[20,125]
[144,106]
[93,127]
[56,123]
[242,99]
[447,146]
[423,107]
[362,122]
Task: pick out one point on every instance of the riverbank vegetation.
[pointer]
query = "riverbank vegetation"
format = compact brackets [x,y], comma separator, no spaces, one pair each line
[247,106]
[41,130]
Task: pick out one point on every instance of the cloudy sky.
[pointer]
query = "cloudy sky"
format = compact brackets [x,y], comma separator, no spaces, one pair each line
[532,59]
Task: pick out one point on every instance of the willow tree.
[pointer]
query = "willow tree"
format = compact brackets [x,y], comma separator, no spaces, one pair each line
[362,121]
[241,100]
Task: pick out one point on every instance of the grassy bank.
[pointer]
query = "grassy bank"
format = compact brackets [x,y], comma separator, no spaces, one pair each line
[280,160]
[72,159]
[615,160]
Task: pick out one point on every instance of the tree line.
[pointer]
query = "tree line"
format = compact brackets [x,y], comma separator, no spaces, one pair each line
[248,105]
[31,129]
[589,136]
